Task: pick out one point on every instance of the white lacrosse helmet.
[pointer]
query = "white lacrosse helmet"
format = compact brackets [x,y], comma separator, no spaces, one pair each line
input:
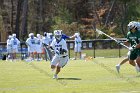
[45,33]
[10,36]
[14,35]
[32,34]
[132,25]
[29,35]
[58,34]
[77,34]
[38,35]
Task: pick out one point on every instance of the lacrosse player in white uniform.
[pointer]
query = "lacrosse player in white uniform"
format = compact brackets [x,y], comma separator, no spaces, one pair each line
[39,47]
[46,41]
[15,44]
[60,57]
[31,43]
[9,47]
[77,44]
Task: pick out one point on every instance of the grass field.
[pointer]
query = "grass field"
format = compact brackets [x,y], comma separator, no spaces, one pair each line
[94,76]
[103,52]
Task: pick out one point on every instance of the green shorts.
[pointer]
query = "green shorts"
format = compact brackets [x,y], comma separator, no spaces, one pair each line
[133,55]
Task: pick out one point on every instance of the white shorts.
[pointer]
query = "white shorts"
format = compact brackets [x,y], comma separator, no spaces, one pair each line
[31,49]
[59,61]
[39,49]
[77,49]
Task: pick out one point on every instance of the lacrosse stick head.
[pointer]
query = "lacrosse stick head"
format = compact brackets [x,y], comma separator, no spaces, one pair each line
[99,32]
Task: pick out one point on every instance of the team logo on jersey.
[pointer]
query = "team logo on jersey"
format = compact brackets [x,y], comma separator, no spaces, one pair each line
[133,37]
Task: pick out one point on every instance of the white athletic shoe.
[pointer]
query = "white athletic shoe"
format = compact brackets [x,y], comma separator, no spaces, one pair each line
[118,68]
[55,76]
[137,68]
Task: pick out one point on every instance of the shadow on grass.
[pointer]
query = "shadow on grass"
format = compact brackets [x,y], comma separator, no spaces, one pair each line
[69,78]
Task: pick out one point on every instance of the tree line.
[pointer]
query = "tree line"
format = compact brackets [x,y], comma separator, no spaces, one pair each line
[39,16]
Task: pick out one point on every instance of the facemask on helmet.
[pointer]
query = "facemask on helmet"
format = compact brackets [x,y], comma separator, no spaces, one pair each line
[45,34]
[131,25]
[58,34]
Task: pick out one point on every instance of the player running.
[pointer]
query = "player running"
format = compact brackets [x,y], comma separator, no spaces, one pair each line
[60,57]
[133,38]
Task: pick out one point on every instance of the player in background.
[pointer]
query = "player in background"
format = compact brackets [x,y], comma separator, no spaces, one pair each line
[50,36]
[31,44]
[77,44]
[9,47]
[46,41]
[39,47]
[60,58]
[15,45]
[133,40]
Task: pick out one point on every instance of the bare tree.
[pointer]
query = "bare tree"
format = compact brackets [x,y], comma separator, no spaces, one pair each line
[24,19]
[17,27]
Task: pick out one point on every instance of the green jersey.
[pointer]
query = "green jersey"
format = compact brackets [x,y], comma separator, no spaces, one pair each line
[133,38]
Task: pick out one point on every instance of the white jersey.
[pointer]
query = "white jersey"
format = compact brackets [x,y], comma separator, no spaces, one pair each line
[46,40]
[61,59]
[39,45]
[57,45]
[15,43]
[38,42]
[31,43]
[78,42]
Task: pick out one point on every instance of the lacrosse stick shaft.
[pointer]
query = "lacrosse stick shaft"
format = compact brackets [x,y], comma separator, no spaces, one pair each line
[99,31]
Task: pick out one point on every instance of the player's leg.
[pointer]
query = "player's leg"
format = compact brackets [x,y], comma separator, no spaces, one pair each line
[138,64]
[79,50]
[133,57]
[54,62]
[58,68]
[75,54]
[62,63]
[121,63]
[138,61]
[132,62]
[54,65]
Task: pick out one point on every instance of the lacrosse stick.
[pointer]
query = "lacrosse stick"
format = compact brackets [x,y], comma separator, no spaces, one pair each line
[101,32]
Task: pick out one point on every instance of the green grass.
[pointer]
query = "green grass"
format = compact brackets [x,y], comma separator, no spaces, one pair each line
[97,76]
[103,52]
